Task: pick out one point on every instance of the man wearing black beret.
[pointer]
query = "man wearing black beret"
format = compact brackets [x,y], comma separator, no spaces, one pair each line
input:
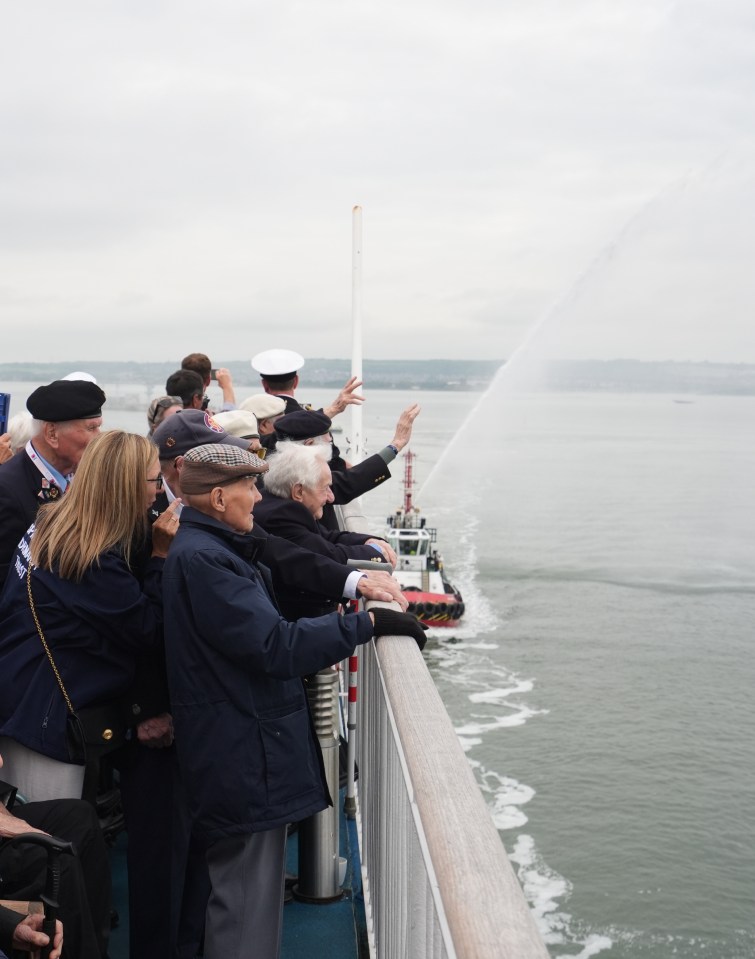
[67,417]
[310,427]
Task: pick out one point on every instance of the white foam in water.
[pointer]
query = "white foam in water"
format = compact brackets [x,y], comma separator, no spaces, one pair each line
[543,888]
[496,696]
[484,725]
[508,796]
[592,946]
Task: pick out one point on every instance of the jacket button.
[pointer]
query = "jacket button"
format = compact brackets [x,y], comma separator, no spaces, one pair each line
[136,709]
[107,735]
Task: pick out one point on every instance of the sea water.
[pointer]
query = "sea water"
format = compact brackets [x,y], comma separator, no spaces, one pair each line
[602,679]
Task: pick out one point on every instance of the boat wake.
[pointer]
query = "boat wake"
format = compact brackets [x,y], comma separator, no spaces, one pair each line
[544,889]
[485,698]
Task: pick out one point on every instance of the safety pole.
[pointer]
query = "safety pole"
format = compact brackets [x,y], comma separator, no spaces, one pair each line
[350,802]
[356,448]
[318,834]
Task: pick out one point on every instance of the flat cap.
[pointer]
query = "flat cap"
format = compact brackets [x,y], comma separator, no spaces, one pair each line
[64,400]
[217,464]
[302,425]
[277,364]
[238,423]
[264,405]
[189,428]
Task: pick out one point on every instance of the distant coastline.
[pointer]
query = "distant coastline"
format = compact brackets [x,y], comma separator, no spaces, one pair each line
[132,379]
[457,375]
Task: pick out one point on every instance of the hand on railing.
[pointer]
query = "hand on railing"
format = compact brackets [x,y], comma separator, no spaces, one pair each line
[381,587]
[390,623]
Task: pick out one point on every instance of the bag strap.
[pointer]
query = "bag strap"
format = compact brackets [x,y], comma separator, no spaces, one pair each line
[67,698]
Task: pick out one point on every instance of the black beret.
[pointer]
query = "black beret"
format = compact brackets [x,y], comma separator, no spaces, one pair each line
[303,425]
[66,400]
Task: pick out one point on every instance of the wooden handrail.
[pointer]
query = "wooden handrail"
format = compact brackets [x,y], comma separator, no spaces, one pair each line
[484,907]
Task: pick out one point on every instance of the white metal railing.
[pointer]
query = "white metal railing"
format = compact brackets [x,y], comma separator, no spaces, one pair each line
[437,881]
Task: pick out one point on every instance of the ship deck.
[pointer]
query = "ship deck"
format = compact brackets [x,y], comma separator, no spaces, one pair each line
[337,929]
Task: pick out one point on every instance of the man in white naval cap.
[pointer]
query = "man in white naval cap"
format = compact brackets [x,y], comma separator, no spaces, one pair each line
[279,371]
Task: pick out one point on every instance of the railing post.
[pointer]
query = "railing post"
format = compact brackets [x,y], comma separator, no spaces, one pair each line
[350,802]
[318,835]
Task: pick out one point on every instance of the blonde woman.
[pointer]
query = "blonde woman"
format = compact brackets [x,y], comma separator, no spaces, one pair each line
[73,614]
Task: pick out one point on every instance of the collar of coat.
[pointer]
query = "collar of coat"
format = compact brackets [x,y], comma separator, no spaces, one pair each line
[247,545]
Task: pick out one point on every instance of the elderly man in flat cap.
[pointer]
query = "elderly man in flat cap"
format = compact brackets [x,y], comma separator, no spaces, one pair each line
[248,755]
[67,417]
[291,567]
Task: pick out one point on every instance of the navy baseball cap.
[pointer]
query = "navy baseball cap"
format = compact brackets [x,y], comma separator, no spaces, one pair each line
[189,428]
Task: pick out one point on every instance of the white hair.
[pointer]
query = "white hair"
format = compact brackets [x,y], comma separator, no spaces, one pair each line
[293,463]
[20,428]
[38,426]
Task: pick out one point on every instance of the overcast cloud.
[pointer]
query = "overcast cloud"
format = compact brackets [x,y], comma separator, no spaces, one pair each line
[180,175]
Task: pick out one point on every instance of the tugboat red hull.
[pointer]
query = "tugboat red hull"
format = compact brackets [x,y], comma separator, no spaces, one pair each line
[435,609]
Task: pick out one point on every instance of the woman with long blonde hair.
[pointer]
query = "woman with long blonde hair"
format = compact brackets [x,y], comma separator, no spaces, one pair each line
[74,615]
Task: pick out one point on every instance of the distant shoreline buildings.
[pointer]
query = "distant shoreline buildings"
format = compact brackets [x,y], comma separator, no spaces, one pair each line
[134,381]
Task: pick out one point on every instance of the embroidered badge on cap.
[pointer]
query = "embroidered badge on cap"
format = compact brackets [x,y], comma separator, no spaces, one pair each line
[212,424]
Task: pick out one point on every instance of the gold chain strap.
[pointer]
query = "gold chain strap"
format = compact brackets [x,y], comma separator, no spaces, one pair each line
[69,704]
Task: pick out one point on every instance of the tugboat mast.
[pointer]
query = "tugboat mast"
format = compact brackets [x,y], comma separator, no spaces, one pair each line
[408,482]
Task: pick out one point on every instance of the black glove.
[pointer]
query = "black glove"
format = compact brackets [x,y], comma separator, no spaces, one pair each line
[390,623]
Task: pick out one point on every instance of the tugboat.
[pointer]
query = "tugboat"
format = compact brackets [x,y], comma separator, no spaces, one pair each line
[432,598]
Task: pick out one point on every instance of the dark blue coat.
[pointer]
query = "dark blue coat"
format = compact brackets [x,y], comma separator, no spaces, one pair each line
[95,629]
[293,521]
[359,479]
[22,492]
[248,754]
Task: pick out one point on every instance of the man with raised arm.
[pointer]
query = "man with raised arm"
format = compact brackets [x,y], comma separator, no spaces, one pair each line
[200,363]
[279,372]
[289,564]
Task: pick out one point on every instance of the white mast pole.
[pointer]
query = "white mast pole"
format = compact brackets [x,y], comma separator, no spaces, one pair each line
[357,434]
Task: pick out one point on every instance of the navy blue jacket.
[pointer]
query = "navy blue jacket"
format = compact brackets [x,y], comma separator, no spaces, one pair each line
[358,479]
[21,495]
[293,521]
[248,754]
[95,629]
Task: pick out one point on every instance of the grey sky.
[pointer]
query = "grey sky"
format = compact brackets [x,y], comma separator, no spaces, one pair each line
[180,175]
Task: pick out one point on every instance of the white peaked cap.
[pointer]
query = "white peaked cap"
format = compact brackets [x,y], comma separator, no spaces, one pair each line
[277,362]
[78,375]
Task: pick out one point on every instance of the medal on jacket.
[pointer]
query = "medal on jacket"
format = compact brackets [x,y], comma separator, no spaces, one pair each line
[50,490]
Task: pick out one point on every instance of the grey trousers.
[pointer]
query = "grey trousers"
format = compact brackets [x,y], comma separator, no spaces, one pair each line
[245,911]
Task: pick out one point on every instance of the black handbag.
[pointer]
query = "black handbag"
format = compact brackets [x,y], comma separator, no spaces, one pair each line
[93,731]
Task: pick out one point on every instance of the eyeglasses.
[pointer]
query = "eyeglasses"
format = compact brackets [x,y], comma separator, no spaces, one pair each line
[157,480]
